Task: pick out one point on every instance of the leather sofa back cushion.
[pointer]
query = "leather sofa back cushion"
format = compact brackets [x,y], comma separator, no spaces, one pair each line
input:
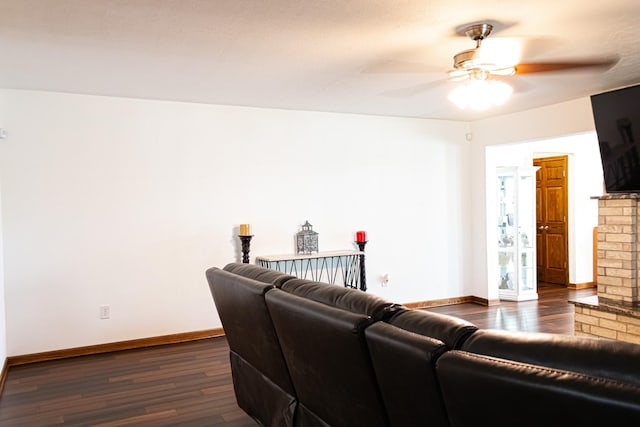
[258,273]
[483,390]
[327,357]
[453,331]
[353,300]
[404,363]
[247,323]
[616,360]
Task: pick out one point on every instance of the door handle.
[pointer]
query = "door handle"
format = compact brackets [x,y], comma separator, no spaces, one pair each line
[541,228]
[546,227]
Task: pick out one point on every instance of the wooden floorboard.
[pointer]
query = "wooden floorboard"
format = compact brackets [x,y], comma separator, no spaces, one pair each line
[189,384]
[551,312]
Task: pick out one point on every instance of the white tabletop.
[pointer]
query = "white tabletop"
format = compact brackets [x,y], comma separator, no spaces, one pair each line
[291,257]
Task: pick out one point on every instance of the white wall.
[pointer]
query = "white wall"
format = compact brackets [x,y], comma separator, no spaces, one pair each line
[3,314]
[560,128]
[126,202]
[3,318]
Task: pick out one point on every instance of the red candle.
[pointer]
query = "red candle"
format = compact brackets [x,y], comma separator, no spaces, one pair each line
[361,236]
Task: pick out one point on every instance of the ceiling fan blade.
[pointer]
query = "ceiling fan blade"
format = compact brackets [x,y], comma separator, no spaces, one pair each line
[399,67]
[518,85]
[545,67]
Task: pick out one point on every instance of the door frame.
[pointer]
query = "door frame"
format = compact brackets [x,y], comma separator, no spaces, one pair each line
[585,185]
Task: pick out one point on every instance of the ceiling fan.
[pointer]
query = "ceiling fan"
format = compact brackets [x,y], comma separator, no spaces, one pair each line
[480,63]
[490,64]
[481,69]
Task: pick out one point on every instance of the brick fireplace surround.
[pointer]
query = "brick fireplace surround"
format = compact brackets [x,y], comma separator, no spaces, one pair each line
[615,311]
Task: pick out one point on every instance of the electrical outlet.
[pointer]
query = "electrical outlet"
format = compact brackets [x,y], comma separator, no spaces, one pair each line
[105,311]
[385,279]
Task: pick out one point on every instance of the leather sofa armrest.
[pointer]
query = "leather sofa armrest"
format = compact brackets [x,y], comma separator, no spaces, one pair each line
[451,330]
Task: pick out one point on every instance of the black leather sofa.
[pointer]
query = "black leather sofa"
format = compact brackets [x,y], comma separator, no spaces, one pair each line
[305,353]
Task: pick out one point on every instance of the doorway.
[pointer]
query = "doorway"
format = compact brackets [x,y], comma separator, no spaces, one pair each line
[551,220]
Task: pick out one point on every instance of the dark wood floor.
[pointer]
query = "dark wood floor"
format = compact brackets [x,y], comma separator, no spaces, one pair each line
[185,384]
[550,313]
[189,384]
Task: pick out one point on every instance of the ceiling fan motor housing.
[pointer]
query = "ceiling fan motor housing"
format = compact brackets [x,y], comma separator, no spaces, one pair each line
[471,58]
[476,63]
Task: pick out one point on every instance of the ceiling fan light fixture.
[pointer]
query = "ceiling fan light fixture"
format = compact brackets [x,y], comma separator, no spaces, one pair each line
[480,94]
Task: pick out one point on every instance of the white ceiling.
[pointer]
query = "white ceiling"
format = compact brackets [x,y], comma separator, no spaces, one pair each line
[383,57]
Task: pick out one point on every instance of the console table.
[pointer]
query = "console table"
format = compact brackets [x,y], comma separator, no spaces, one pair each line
[338,267]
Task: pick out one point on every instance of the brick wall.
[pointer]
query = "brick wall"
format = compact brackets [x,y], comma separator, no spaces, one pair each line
[618,249]
[614,313]
[592,321]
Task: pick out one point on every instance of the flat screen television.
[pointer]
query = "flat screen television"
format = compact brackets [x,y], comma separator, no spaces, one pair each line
[617,119]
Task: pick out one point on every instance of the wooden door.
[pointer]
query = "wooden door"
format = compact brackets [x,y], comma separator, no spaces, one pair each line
[551,220]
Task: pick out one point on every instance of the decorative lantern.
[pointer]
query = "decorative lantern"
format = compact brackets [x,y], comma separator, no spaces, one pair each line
[306,240]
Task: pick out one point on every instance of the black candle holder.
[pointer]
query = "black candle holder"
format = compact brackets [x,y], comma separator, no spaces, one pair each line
[363,275]
[246,246]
